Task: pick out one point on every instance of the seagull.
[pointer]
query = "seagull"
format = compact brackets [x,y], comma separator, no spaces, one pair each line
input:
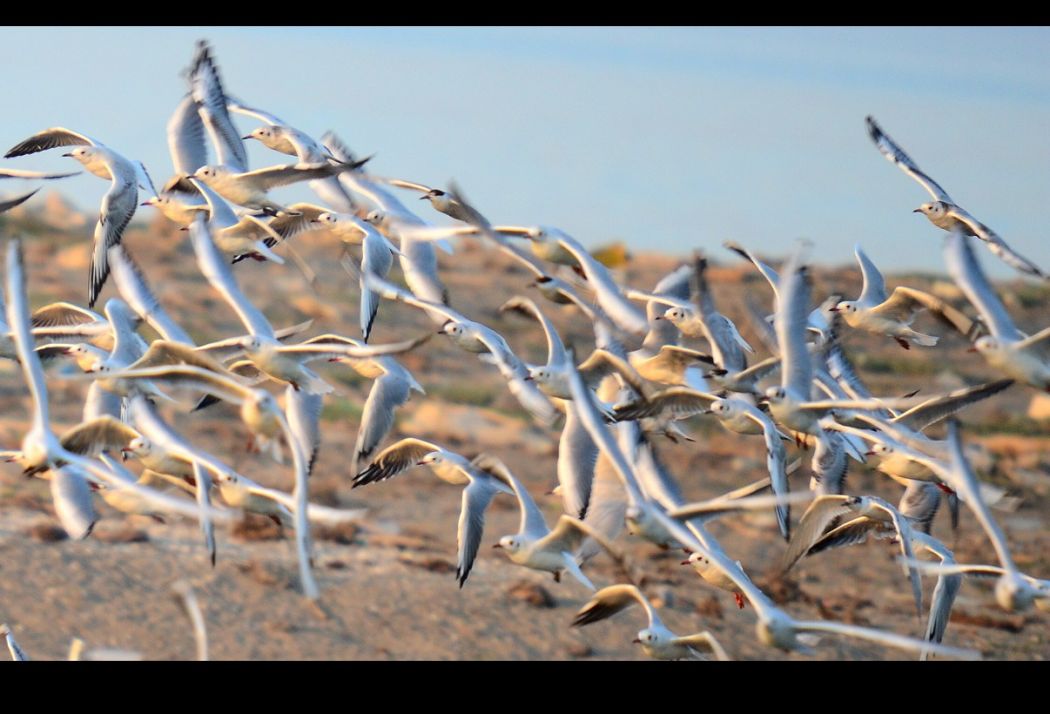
[40,446]
[119,203]
[657,640]
[774,627]
[874,312]
[285,363]
[377,257]
[445,202]
[828,508]
[484,480]
[860,528]
[552,378]
[248,188]
[477,338]
[280,136]
[405,454]
[391,389]
[945,213]
[418,258]
[1007,349]
[1012,591]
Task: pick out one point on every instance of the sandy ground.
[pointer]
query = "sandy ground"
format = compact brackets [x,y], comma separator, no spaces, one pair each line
[388,585]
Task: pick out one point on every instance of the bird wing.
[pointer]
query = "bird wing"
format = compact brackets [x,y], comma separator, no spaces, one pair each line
[93,437]
[896,155]
[49,139]
[186,138]
[967,273]
[207,91]
[525,306]
[388,392]
[8,203]
[681,402]
[874,290]
[118,206]
[811,526]
[790,324]
[476,498]
[394,459]
[218,273]
[35,175]
[937,408]
[610,600]
[18,319]
[602,363]
[304,418]
[136,292]
[705,641]
[577,456]
[995,244]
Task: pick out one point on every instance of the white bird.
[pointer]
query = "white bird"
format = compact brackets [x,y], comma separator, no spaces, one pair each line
[391,389]
[892,315]
[119,203]
[249,188]
[828,508]
[285,363]
[657,640]
[535,545]
[479,339]
[484,477]
[945,213]
[418,258]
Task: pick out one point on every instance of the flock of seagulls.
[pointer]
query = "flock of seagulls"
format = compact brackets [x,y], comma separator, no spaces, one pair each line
[660,357]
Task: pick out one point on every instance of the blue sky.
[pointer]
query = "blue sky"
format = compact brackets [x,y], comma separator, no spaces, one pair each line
[667,138]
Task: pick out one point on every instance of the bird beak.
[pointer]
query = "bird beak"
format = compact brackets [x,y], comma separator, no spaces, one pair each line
[636,641]
[659,317]
[917,210]
[869,453]
[971,349]
[684,562]
[528,379]
[248,136]
[833,309]
[147,203]
[424,196]
[497,545]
